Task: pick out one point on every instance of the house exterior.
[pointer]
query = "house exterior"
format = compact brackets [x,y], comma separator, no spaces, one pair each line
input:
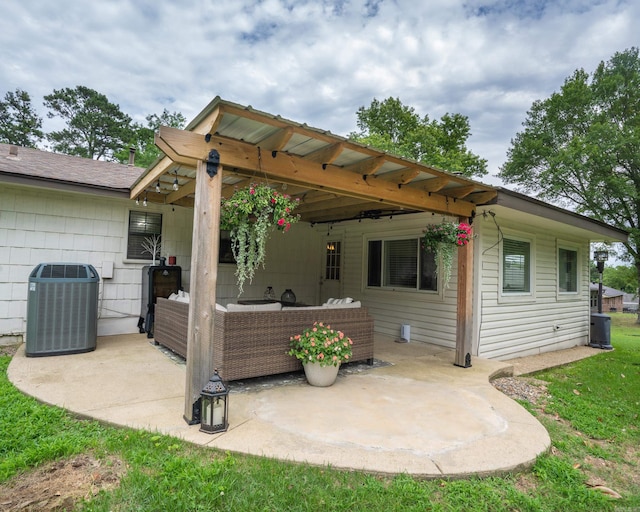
[612,300]
[528,288]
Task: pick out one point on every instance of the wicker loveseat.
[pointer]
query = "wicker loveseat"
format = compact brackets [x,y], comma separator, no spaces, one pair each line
[255,343]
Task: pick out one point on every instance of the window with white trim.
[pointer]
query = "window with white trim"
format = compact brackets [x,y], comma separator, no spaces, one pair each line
[516,266]
[567,270]
[142,226]
[401,263]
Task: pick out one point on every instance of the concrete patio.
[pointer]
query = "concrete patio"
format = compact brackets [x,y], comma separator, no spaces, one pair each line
[419,414]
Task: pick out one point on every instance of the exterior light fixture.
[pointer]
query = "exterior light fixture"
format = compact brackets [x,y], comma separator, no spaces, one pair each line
[176,185]
[144,201]
[158,187]
[137,201]
[214,406]
[600,335]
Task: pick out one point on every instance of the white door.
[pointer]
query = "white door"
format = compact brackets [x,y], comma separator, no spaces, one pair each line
[331,271]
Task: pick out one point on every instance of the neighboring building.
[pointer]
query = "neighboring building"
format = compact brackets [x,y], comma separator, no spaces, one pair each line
[529,286]
[630,303]
[612,299]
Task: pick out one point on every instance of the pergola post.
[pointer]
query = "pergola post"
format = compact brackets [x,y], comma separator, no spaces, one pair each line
[465,303]
[204,275]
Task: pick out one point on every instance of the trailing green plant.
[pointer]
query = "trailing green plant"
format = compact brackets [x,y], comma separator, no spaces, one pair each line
[443,239]
[250,215]
[321,344]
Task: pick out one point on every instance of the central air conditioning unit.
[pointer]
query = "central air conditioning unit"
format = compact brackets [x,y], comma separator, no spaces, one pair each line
[62,309]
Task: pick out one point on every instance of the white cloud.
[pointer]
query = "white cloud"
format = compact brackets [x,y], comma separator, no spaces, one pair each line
[315,62]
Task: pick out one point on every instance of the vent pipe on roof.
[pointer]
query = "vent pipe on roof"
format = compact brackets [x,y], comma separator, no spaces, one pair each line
[13,150]
[132,156]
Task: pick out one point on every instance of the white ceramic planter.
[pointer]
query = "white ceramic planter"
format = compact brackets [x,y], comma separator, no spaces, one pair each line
[321,376]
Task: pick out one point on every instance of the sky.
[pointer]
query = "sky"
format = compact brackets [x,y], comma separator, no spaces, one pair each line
[315,62]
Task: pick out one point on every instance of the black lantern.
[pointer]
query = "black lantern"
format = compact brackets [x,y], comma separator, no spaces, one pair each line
[214,406]
[600,257]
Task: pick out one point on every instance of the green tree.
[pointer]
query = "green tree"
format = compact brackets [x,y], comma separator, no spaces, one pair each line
[396,128]
[581,147]
[96,128]
[142,138]
[19,122]
[621,277]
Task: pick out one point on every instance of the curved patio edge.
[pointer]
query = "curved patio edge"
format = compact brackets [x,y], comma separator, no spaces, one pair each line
[419,415]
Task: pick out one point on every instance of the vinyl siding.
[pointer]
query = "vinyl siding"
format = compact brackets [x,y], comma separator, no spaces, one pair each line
[546,320]
[432,316]
[38,225]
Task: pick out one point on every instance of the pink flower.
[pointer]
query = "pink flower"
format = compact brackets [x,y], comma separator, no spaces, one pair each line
[281,222]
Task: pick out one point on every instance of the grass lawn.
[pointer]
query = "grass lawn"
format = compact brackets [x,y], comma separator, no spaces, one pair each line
[50,460]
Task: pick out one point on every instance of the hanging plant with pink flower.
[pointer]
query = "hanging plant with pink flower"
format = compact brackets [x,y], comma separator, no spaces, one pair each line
[443,239]
[250,215]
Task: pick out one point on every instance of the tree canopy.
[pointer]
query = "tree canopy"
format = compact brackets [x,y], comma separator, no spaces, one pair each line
[396,128]
[621,277]
[96,128]
[142,137]
[19,122]
[581,146]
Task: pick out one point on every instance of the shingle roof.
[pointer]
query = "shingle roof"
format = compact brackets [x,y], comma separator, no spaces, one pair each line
[56,167]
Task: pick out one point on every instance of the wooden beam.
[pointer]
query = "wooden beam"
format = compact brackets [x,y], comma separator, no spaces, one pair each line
[210,123]
[276,141]
[464,320]
[242,157]
[368,166]
[183,191]
[326,155]
[148,180]
[482,197]
[459,192]
[202,288]
[401,176]
[332,204]
[433,184]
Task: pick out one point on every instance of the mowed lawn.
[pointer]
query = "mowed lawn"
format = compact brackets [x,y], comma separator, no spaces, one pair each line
[50,460]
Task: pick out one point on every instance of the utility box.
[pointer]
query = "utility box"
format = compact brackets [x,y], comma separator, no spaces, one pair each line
[62,309]
[600,331]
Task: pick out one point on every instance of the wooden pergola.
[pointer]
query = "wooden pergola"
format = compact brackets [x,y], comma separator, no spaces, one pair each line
[229,146]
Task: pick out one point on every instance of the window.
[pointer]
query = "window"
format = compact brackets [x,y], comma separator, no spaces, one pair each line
[400,264]
[567,270]
[332,264]
[225,252]
[516,266]
[142,225]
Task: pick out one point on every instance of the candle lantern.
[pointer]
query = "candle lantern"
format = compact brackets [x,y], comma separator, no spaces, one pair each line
[214,406]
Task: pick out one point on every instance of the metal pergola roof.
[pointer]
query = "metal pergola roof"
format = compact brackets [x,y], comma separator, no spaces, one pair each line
[335,178]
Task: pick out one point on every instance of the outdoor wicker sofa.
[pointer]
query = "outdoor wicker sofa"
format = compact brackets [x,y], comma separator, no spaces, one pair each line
[254,343]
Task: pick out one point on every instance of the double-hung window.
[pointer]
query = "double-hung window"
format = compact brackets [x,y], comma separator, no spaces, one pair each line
[516,266]
[567,270]
[143,228]
[400,264]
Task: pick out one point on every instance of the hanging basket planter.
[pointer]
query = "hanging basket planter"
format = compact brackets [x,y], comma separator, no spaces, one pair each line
[443,239]
[250,215]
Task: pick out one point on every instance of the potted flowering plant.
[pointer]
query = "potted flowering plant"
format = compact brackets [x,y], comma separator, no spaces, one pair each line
[321,350]
[250,215]
[443,239]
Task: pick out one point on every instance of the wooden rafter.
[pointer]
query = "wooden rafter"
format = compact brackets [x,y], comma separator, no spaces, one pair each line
[243,158]
[368,166]
[327,154]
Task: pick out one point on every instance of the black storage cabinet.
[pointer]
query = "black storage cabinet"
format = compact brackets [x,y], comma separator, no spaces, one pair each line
[62,309]
[157,281]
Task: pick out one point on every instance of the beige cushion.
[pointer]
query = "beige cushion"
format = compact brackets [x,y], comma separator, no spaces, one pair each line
[275,306]
[348,305]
